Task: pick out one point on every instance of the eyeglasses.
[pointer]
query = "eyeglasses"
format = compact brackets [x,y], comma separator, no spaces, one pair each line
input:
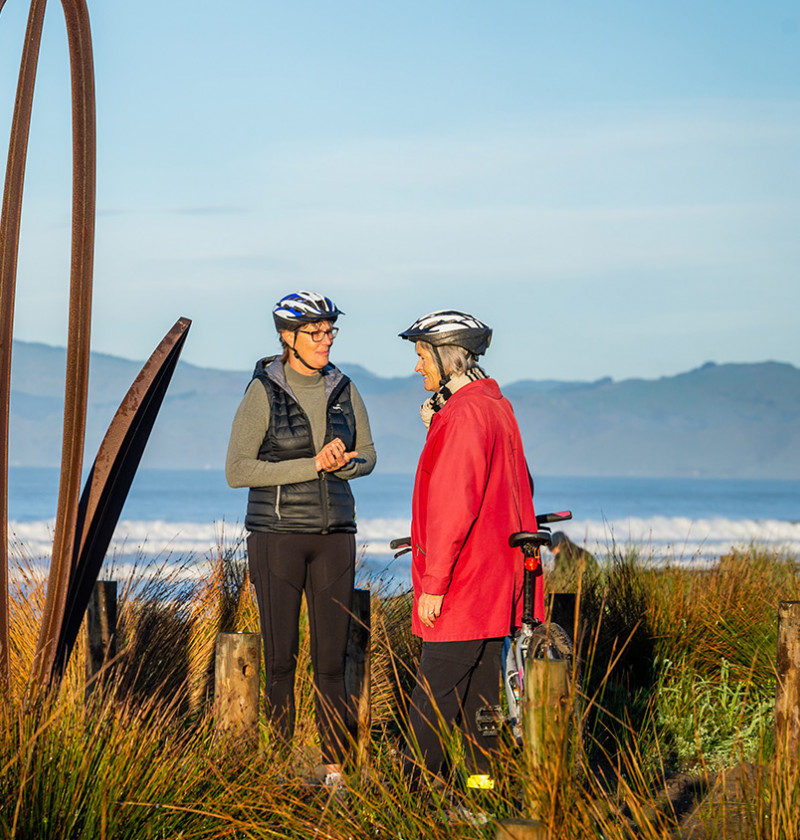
[319,335]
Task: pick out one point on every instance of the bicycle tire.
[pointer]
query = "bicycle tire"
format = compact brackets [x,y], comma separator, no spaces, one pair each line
[551,641]
[545,642]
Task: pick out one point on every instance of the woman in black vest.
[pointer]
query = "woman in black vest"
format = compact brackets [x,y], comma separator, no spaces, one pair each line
[300,434]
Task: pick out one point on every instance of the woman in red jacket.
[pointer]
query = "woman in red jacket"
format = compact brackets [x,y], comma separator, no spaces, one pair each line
[472,491]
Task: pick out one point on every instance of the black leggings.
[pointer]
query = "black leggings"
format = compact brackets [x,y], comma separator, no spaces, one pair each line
[282,567]
[455,680]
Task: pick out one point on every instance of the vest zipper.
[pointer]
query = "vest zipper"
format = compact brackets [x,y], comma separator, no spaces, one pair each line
[324,495]
[278,502]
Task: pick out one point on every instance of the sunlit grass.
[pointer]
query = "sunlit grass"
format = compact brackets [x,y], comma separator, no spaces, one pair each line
[676,677]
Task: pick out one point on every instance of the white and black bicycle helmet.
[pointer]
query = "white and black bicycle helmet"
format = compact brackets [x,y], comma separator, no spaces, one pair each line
[449,326]
[298,308]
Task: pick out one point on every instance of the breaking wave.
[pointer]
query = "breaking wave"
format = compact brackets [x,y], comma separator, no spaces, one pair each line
[677,539]
[681,539]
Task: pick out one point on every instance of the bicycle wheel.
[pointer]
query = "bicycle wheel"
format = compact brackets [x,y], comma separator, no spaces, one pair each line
[551,641]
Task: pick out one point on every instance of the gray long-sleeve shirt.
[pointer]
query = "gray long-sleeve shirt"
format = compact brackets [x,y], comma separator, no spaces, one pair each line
[242,465]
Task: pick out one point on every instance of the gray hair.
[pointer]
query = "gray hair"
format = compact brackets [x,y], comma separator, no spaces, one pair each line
[455,360]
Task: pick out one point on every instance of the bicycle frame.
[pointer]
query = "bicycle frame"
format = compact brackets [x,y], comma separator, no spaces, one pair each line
[517,645]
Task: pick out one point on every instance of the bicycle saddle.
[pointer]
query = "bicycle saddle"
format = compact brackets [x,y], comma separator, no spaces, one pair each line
[537,539]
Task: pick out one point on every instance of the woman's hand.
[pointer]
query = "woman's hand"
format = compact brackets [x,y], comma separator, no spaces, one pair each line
[429,608]
[333,457]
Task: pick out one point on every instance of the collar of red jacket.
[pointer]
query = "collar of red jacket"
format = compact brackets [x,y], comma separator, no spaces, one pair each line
[487,388]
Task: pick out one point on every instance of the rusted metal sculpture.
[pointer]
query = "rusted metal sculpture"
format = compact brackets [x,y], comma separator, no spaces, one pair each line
[110,480]
[80,321]
[82,532]
[9,250]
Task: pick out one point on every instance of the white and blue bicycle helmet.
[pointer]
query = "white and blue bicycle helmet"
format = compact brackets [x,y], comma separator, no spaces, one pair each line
[298,308]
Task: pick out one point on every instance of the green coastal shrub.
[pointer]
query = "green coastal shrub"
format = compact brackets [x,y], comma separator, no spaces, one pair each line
[712,722]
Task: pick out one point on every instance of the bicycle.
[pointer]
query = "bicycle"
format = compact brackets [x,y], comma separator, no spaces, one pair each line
[533,638]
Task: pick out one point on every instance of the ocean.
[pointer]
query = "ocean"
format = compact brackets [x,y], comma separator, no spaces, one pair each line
[177,515]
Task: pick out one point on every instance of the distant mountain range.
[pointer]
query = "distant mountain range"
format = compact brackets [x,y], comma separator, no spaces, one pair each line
[727,421]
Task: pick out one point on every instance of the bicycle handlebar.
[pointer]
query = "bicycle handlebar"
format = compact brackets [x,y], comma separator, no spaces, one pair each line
[542,519]
[529,541]
[547,518]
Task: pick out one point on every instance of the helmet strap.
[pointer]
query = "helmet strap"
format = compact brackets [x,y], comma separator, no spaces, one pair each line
[443,379]
[299,357]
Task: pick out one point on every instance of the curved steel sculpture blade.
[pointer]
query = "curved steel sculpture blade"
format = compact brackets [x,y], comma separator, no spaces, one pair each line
[79,38]
[9,250]
[110,480]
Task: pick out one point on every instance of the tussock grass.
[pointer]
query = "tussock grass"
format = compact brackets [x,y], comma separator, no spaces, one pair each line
[675,735]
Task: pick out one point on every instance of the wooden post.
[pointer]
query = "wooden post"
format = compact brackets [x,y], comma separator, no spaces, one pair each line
[787,690]
[101,630]
[357,677]
[545,725]
[562,607]
[236,682]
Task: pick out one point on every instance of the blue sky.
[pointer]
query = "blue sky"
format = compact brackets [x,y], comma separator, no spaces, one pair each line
[614,187]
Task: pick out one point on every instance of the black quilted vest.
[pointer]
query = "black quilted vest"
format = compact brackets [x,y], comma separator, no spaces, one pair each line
[324,505]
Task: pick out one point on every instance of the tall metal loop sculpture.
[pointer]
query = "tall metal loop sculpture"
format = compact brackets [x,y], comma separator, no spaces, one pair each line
[82,530]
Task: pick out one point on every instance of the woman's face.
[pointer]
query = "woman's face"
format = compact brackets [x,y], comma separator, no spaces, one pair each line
[315,353]
[426,365]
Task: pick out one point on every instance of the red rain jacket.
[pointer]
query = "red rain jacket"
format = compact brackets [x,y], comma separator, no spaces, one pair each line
[472,491]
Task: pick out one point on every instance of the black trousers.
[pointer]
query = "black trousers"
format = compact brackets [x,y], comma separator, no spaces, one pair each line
[454,681]
[282,567]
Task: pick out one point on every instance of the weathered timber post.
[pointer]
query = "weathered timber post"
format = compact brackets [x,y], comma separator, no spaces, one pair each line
[562,609]
[237,669]
[546,716]
[357,676]
[547,713]
[101,630]
[787,690]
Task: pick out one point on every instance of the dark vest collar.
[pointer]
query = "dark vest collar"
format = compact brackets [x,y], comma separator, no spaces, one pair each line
[272,368]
